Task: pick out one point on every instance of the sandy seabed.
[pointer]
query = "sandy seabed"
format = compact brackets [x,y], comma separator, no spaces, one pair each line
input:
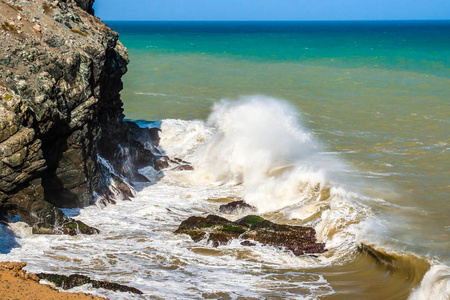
[16,283]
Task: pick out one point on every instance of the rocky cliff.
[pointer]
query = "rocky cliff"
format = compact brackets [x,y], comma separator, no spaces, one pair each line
[60,107]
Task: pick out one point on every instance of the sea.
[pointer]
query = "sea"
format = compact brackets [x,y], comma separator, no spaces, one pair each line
[341,126]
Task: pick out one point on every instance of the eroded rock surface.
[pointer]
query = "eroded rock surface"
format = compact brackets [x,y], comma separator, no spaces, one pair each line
[219,231]
[60,107]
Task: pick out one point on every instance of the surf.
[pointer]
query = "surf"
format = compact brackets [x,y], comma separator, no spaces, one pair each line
[256,149]
[259,144]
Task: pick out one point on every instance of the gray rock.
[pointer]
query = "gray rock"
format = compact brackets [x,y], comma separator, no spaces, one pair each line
[60,108]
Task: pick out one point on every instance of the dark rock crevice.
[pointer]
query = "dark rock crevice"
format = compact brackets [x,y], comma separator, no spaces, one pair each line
[60,108]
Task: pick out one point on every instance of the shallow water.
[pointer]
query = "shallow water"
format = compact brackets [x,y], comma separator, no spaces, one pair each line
[351,137]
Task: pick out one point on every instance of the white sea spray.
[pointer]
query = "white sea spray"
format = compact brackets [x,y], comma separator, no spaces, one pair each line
[435,284]
[253,149]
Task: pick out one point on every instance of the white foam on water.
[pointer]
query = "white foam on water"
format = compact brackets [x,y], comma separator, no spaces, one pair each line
[258,143]
[253,149]
[137,247]
[180,138]
[435,284]
[151,94]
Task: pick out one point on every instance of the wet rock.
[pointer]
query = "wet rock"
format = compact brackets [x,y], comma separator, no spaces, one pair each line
[162,163]
[178,164]
[68,282]
[123,188]
[237,207]
[183,168]
[219,231]
[60,107]
[70,227]
[248,243]
[144,144]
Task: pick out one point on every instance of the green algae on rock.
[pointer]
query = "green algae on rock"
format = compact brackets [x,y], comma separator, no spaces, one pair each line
[74,280]
[219,231]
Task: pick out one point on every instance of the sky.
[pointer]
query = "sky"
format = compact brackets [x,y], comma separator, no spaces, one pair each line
[250,10]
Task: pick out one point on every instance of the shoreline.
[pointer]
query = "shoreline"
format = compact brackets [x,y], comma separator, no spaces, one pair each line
[16,283]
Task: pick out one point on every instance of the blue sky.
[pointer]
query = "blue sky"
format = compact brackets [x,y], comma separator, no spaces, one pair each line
[272,9]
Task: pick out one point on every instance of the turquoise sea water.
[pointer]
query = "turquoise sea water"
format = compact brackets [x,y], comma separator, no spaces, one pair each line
[343,126]
[376,93]
[379,92]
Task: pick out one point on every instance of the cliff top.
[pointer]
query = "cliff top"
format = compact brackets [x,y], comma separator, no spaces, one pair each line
[37,33]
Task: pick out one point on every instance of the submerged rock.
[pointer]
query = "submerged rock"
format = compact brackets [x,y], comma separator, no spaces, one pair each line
[68,282]
[175,164]
[237,207]
[70,227]
[219,231]
[183,168]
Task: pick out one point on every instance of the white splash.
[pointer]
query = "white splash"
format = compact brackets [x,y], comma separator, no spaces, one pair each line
[258,143]
[254,148]
[435,284]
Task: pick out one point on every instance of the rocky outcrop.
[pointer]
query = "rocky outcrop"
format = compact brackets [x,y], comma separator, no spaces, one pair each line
[71,281]
[60,107]
[237,207]
[219,231]
[16,283]
[18,268]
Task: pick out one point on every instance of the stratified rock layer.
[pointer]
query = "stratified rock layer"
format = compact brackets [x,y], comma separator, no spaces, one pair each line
[60,107]
[219,231]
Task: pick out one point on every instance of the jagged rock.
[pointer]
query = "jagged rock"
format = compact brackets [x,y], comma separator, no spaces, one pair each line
[13,266]
[237,207]
[60,107]
[175,164]
[17,267]
[126,193]
[69,226]
[219,231]
[86,5]
[68,282]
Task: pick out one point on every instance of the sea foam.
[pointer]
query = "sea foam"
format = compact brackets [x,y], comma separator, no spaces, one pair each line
[253,148]
[435,284]
[259,144]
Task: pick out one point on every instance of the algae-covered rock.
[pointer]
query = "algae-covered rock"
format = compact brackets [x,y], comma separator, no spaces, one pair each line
[68,282]
[219,231]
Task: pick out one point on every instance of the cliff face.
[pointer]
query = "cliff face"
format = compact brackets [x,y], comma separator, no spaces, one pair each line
[60,78]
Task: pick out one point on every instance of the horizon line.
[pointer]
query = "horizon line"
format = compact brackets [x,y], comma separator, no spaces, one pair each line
[352,20]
